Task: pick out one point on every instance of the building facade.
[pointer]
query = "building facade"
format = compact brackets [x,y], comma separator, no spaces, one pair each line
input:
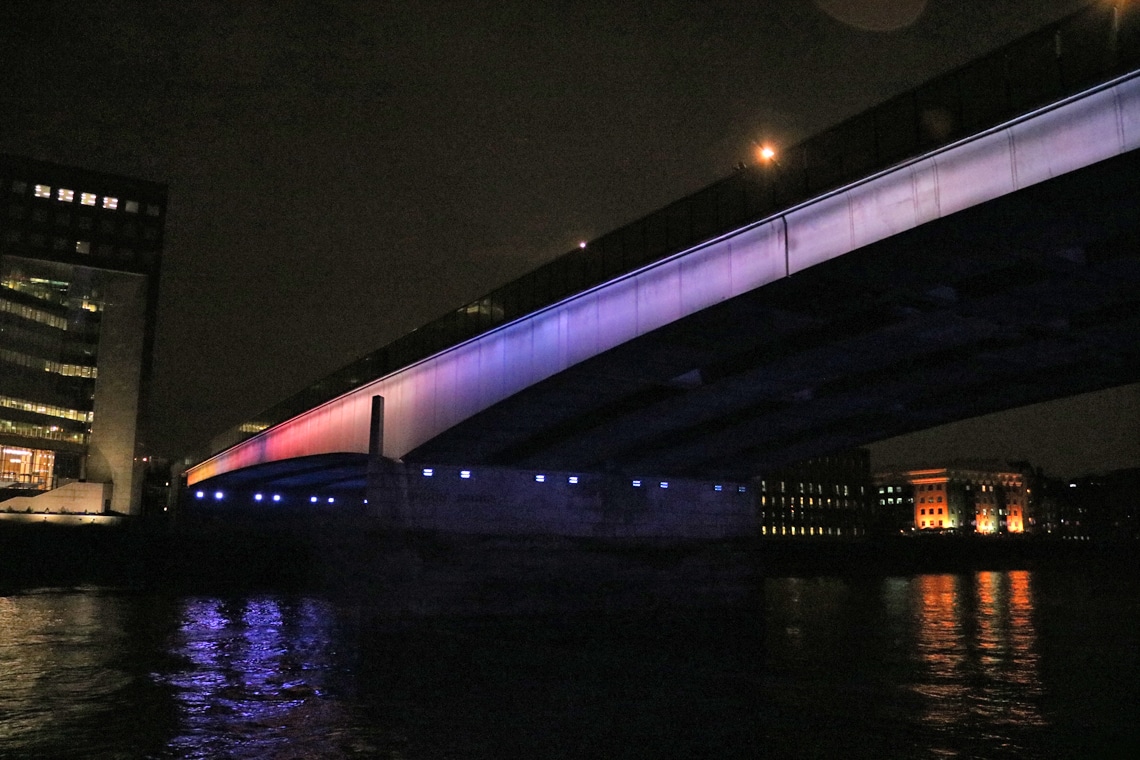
[825,496]
[80,254]
[962,498]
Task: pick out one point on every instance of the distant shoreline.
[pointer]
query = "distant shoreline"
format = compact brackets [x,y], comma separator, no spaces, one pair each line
[426,574]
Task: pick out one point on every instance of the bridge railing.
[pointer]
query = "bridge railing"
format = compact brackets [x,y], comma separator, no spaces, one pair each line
[1077,52]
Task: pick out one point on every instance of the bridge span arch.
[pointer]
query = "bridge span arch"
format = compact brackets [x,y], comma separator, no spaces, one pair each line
[444,404]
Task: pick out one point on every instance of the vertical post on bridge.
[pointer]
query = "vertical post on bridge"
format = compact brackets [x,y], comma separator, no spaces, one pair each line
[387,482]
[376,429]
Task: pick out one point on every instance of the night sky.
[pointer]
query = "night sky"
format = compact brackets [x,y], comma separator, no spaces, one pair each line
[342,172]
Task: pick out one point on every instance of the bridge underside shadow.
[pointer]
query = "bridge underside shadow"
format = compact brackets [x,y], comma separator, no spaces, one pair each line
[1028,298]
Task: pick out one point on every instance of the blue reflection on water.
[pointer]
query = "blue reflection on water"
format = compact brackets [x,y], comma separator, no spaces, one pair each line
[252,681]
[1009,665]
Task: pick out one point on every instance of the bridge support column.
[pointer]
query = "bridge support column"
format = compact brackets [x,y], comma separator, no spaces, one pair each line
[387,489]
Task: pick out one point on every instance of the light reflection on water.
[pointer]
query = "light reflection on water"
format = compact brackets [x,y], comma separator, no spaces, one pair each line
[977,665]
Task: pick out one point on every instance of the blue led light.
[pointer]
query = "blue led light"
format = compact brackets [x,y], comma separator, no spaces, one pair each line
[257,497]
[539,478]
[218,495]
[428,472]
[200,495]
[573,479]
[664,483]
[277,497]
[637,484]
[313,499]
[465,474]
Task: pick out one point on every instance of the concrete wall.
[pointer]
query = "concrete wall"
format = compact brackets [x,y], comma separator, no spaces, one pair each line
[73,498]
[500,501]
[111,454]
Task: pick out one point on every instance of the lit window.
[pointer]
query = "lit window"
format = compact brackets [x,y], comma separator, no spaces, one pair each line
[110,203]
[572,480]
[428,472]
[539,478]
[465,474]
[88,199]
[43,191]
[82,246]
[132,207]
[65,195]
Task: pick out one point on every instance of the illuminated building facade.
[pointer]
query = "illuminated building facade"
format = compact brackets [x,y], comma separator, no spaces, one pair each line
[825,496]
[968,498]
[79,264]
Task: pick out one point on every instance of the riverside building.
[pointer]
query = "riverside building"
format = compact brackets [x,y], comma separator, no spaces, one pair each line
[79,264]
[825,496]
[962,498]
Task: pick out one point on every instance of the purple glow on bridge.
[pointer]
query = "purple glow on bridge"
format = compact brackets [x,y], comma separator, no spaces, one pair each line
[431,396]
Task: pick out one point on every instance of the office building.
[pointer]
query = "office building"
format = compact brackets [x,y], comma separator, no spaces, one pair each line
[825,496]
[970,497]
[80,253]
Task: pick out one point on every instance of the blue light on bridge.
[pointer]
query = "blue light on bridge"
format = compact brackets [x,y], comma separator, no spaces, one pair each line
[218,495]
[200,495]
[539,478]
[465,474]
[637,484]
[664,484]
[573,480]
[277,497]
[313,499]
[428,472]
[257,497]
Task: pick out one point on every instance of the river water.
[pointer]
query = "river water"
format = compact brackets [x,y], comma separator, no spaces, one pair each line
[1017,664]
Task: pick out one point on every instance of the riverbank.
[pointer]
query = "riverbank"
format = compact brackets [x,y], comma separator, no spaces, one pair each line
[426,573]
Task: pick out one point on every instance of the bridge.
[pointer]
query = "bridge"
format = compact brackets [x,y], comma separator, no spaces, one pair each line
[969,246]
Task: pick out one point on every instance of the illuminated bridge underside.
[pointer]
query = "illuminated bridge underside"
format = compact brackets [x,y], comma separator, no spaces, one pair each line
[994,273]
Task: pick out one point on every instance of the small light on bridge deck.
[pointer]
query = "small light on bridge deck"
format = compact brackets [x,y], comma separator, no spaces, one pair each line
[277,497]
[766,153]
[718,488]
[218,495]
[539,478]
[313,499]
[664,483]
[637,484]
[428,472]
[200,495]
[332,500]
[465,474]
[582,244]
[257,497]
[573,479]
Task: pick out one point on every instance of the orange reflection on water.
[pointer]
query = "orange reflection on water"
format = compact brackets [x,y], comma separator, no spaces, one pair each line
[976,641]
